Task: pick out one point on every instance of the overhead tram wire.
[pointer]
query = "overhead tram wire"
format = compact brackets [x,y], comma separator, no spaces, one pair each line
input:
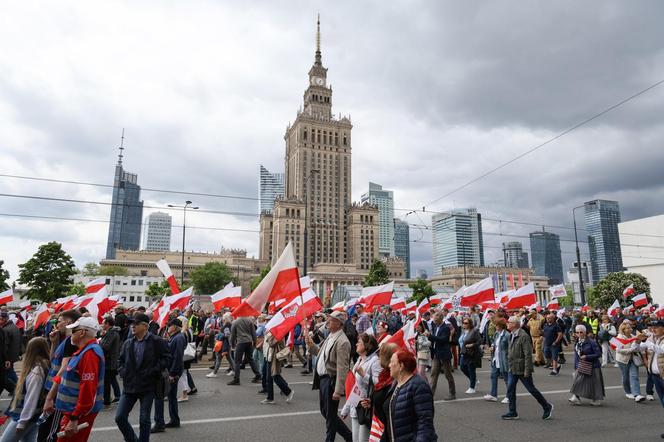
[549,141]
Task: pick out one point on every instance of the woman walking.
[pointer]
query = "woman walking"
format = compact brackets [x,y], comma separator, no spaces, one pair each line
[606,331]
[629,360]
[423,347]
[471,353]
[588,381]
[381,390]
[28,401]
[499,364]
[271,348]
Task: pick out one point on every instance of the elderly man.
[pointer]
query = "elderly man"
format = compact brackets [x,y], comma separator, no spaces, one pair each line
[654,348]
[13,345]
[441,354]
[330,372]
[520,361]
[176,344]
[81,385]
[243,340]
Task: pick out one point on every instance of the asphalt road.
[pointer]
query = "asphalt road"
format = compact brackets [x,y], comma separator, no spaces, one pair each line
[223,413]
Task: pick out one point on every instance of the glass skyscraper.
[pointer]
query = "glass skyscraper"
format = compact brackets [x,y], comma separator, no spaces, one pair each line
[158,235]
[402,243]
[270,186]
[124,229]
[384,200]
[546,256]
[514,255]
[602,218]
[457,239]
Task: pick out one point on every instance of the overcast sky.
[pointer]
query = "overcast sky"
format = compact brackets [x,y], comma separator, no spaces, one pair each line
[438,92]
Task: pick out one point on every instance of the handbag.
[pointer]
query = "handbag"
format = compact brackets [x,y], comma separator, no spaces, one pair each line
[585,367]
[637,359]
[364,415]
[189,352]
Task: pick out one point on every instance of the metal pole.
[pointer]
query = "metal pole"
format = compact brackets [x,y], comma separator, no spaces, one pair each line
[184,222]
[582,290]
[306,230]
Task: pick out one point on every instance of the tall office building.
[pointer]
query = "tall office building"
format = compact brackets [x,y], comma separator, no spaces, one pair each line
[402,243]
[602,218]
[514,256]
[457,239]
[545,253]
[158,235]
[384,200]
[124,229]
[270,187]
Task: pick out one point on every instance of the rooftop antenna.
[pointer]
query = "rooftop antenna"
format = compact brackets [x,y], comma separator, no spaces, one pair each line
[318,58]
[121,148]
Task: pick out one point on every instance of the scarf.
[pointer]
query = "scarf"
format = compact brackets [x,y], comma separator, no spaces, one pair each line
[384,379]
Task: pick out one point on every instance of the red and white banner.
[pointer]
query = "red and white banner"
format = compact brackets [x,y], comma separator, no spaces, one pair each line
[376,296]
[339,307]
[553,304]
[503,297]
[230,297]
[172,302]
[585,308]
[614,310]
[397,303]
[617,342]
[7,296]
[640,300]
[305,283]
[294,312]
[659,312]
[436,299]
[478,293]
[41,316]
[353,392]
[282,282]
[557,291]
[535,306]
[523,297]
[95,285]
[424,306]
[165,270]
[410,307]
[629,290]
[25,305]
[406,336]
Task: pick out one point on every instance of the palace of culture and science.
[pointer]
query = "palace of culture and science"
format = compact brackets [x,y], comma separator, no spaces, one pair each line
[316,213]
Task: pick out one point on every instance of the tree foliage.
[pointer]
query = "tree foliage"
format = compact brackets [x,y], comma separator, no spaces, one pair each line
[158,289]
[211,277]
[4,277]
[257,279]
[47,273]
[378,274]
[112,271]
[421,289]
[77,289]
[611,288]
[90,269]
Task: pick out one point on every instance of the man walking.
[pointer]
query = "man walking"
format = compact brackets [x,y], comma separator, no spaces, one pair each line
[176,345]
[535,324]
[330,374]
[520,361]
[441,355]
[13,346]
[110,343]
[243,339]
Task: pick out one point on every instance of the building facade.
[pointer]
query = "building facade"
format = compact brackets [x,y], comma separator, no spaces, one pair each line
[602,219]
[457,239]
[573,280]
[158,234]
[514,256]
[402,243]
[270,187]
[384,200]
[124,228]
[546,256]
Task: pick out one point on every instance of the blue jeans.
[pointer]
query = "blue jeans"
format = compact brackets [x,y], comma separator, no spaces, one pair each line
[127,402]
[28,434]
[630,378]
[468,368]
[172,406]
[276,379]
[659,386]
[512,380]
[495,372]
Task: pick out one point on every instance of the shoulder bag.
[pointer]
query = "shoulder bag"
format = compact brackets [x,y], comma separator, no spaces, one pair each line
[364,415]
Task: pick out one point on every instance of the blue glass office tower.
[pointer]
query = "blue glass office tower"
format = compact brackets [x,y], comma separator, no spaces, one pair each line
[402,243]
[457,239]
[602,218]
[546,257]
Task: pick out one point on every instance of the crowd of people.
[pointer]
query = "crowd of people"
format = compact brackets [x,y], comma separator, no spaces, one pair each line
[70,366]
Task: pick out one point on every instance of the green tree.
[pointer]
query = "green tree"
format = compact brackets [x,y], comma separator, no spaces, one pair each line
[77,289]
[47,273]
[112,271]
[4,277]
[257,279]
[378,274]
[90,269]
[611,288]
[567,301]
[421,289]
[157,289]
[211,277]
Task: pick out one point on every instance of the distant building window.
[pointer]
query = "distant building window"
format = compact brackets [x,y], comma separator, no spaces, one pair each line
[131,299]
[108,281]
[140,282]
[118,282]
[144,273]
[133,282]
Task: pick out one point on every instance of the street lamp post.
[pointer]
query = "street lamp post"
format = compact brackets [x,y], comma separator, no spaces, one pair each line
[582,290]
[184,224]
[307,183]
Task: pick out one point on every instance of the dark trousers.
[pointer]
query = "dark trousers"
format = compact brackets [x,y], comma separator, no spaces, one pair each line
[468,368]
[243,352]
[512,380]
[48,429]
[264,374]
[659,387]
[172,406]
[650,381]
[276,379]
[329,408]
[111,381]
[127,402]
[6,382]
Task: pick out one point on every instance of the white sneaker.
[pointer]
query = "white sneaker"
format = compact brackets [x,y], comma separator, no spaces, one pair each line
[595,403]
[488,397]
[267,402]
[211,375]
[574,400]
[639,398]
[230,373]
[629,396]
[471,391]
[650,397]
[505,400]
[290,396]
[616,365]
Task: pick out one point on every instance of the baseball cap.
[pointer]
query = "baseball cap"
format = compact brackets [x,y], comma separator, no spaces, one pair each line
[339,316]
[176,322]
[140,317]
[86,323]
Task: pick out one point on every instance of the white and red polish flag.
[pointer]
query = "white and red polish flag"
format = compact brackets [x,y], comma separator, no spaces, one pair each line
[585,308]
[410,307]
[640,300]
[311,303]
[406,336]
[377,429]
[230,296]
[522,297]
[285,319]
[376,296]
[659,312]
[397,303]
[67,301]
[339,306]
[557,291]
[305,283]
[436,299]
[7,296]
[165,270]
[478,293]
[447,304]
[617,342]
[629,290]
[503,297]
[353,392]
[95,285]
[553,304]
[25,305]
[424,306]
[42,314]
[179,301]
[614,310]
[535,306]
[282,282]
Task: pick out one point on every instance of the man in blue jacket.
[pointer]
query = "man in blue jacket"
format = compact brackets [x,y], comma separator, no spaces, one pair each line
[176,344]
[143,358]
[441,355]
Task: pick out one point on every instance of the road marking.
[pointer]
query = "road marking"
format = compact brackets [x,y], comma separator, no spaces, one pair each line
[307,413]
